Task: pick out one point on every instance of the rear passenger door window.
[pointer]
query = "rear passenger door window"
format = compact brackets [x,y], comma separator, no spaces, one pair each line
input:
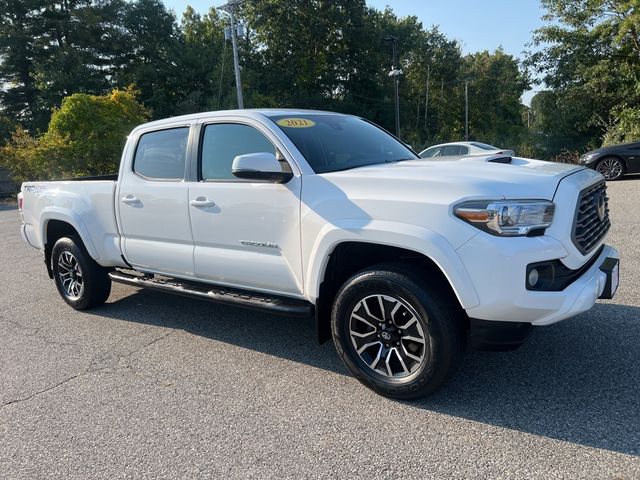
[161,155]
[222,142]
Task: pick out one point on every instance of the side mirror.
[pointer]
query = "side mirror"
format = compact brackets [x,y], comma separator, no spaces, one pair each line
[262,166]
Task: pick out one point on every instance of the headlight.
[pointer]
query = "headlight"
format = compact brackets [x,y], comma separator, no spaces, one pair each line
[508,218]
[586,157]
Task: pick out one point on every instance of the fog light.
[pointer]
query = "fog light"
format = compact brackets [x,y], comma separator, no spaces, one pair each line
[533,277]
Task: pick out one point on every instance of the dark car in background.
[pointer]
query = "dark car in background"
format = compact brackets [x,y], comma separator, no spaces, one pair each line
[615,161]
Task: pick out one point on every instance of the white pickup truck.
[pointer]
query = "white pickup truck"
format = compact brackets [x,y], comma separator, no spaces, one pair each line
[402,260]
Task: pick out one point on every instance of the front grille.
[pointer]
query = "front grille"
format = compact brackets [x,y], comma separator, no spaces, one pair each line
[588,226]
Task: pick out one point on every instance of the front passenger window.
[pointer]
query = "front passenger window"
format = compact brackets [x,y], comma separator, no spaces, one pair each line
[222,142]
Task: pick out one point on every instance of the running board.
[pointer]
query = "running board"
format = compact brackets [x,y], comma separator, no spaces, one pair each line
[226,295]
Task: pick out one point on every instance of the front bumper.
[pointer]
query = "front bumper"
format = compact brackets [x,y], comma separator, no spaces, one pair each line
[498,275]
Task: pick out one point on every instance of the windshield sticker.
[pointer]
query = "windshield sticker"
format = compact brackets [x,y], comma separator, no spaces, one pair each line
[296,122]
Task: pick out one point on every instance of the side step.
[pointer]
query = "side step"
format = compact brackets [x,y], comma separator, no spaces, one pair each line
[226,295]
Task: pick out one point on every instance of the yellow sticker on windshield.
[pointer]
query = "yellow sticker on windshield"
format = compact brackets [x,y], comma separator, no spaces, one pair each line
[295,122]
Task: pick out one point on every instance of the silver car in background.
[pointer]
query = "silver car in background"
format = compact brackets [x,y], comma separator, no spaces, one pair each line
[459,150]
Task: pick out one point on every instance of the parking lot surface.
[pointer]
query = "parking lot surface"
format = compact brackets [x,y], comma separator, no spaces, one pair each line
[158,386]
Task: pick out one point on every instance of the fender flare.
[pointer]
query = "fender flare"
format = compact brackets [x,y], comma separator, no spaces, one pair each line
[394,234]
[73,219]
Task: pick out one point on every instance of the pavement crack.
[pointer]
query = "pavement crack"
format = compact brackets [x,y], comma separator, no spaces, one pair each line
[90,369]
[48,389]
[113,357]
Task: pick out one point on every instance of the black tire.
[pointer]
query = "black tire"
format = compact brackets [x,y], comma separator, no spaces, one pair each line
[93,284]
[437,313]
[611,168]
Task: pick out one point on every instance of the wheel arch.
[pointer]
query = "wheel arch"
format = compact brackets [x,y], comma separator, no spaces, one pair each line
[342,259]
[55,225]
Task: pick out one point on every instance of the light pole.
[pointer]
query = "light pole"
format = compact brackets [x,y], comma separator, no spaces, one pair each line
[466,109]
[231,7]
[395,73]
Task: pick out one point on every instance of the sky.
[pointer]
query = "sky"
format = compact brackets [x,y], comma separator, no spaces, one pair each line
[476,24]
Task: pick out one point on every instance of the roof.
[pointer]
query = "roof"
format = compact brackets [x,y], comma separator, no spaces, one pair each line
[248,113]
[453,143]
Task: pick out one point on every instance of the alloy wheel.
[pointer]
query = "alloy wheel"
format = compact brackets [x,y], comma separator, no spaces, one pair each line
[387,335]
[610,168]
[70,275]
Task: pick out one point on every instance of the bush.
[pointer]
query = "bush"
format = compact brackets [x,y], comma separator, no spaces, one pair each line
[626,127]
[85,137]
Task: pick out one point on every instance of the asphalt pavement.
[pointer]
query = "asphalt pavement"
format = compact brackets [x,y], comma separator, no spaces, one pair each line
[158,386]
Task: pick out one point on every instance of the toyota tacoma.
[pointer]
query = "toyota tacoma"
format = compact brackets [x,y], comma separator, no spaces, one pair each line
[402,261]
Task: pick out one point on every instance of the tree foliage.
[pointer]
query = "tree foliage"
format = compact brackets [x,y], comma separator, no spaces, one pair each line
[85,137]
[329,55]
[590,61]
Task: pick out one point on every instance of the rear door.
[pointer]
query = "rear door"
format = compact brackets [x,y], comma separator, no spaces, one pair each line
[246,233]
[152,204]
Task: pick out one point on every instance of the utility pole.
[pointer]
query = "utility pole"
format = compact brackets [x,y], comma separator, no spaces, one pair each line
[426,102]
[395,73]
[466,109]
[231,7]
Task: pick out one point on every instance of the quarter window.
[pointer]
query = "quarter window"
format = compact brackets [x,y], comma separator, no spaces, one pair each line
[451,150]
[161,154]
[222,142]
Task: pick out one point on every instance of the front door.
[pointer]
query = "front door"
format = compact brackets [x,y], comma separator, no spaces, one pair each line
[246,233]
[152,203]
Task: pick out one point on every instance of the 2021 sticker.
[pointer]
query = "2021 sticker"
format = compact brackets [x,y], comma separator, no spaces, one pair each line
[296,122]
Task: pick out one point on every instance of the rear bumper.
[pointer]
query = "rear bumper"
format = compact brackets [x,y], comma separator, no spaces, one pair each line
[499,278]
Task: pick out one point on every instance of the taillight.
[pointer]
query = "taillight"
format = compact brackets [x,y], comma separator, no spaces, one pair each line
[20,202]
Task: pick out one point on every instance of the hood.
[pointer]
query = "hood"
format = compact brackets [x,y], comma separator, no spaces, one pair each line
[451,181]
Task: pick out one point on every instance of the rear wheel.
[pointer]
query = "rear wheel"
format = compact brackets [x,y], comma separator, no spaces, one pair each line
[81,282]
[611,168]
[397,334]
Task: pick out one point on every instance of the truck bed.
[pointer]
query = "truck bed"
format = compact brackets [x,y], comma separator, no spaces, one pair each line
[86,203]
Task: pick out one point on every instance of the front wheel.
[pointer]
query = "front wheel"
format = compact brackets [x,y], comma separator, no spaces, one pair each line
[81,282]
[397,334]
[611,168]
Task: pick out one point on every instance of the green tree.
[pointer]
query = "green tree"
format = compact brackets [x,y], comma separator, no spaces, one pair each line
[496,85]
[201,43]
[150,58]
[18,27]
[436,63]
[589,58]
[85,137]
[625,127]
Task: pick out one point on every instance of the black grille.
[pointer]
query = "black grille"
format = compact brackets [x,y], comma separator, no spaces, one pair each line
[588,227]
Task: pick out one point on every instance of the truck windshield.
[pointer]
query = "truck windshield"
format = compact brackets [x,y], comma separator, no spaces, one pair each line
[339,142]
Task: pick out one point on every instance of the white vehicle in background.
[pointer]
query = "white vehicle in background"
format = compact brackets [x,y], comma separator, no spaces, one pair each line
[316,213]
[459,150]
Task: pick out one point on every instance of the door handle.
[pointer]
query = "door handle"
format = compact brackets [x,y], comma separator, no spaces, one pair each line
[130,199]
[202,202]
